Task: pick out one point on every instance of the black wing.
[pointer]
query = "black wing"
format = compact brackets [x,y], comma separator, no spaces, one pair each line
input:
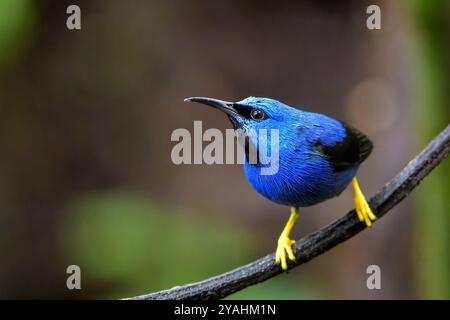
[353,150]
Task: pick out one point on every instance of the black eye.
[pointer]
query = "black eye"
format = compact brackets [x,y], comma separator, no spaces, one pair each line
[257,114]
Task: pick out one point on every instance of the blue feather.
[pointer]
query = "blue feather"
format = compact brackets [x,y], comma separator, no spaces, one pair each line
[305,176]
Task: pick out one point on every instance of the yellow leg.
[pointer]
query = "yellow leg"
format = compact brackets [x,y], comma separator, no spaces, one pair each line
[362,208]
[285,243]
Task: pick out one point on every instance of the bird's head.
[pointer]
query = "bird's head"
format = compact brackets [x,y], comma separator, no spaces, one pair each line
[253,112]
[264,128]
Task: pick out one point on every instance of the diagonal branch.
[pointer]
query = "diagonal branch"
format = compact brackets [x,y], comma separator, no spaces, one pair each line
[320,241]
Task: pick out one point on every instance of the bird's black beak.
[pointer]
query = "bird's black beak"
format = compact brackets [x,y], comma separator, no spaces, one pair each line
[224,106]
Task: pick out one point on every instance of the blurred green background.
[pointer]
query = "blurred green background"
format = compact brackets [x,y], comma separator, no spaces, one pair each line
[86,116]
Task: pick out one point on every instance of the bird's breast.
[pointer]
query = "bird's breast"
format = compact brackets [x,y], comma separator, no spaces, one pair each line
[303,179]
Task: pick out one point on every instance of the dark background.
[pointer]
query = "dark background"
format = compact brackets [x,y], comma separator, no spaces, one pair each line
[86,116]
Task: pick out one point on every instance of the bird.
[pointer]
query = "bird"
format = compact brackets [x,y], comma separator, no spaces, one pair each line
[319,157]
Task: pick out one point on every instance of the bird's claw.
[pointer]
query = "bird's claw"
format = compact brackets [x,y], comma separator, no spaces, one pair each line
[363,210]
[284,249]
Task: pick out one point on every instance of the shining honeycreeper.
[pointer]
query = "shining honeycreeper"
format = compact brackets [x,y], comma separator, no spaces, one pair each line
[318,158]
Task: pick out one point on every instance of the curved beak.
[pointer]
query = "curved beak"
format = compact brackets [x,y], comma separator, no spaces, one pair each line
[224,106]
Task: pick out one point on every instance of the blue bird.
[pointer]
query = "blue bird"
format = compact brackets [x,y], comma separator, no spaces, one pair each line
[318,157]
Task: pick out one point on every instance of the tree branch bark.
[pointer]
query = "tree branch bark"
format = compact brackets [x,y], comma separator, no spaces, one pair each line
[320,241]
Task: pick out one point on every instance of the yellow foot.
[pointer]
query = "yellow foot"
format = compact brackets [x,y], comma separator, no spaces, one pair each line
[285,244]
[362,208]
[284,249]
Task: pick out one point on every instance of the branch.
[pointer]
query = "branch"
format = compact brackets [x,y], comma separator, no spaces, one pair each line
[320,241]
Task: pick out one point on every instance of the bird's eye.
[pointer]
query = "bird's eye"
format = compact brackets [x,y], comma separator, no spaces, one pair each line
[257,114]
